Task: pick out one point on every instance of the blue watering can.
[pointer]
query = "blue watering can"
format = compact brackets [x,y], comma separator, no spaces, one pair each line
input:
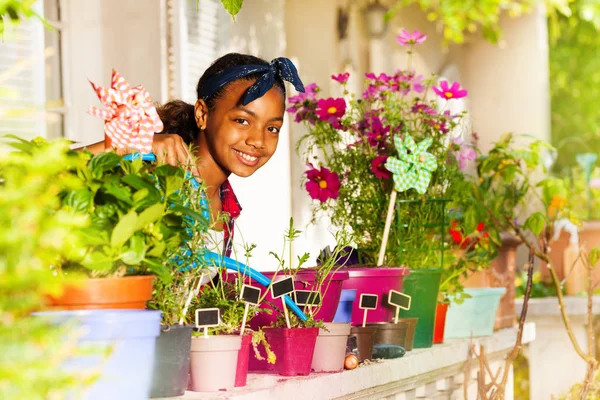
[215,259]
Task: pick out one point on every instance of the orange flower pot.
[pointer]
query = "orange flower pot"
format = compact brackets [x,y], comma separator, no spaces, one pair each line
[130,292]
[440,323]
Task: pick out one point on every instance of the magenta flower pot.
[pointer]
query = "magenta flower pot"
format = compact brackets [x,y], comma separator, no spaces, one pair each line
[331,291]
[294,349]
[377,281]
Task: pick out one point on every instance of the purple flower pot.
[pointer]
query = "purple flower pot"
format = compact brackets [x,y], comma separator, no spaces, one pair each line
[377,281]
[331,291]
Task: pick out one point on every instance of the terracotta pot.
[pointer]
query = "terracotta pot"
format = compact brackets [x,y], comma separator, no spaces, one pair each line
[589,237]
[440,323]
[214,362]
[364,337]
[129,292]
[330,350]
[500,274]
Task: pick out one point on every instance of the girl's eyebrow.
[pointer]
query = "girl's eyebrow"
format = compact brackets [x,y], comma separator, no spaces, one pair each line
[253,114]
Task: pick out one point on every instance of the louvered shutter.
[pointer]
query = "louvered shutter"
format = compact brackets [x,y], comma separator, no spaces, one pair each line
[202,30]
[22,85]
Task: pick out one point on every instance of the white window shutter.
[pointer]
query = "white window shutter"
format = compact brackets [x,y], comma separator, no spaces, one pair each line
[199,33]
[22,85]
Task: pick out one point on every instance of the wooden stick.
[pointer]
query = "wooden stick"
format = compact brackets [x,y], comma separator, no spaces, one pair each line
[205,333]
[365,318]
[244,319]
[285,312]
[396,315]
[193,292]
[388,226]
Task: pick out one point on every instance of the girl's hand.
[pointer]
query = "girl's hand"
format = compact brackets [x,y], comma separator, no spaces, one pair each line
[171,149]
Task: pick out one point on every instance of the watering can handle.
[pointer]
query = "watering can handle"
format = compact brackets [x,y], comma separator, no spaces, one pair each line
[227,262]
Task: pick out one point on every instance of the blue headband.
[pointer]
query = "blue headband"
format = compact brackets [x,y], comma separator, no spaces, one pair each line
[280,68]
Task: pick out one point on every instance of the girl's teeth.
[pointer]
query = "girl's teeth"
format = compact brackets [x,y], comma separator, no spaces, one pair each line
[246,156]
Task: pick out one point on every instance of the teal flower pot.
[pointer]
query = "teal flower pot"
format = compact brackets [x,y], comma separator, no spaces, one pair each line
[475,316]
[423,285]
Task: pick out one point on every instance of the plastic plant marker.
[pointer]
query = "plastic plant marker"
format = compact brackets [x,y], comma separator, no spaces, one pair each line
[400,301]
[367,302]
[250,296]
[280,289]
[207,318]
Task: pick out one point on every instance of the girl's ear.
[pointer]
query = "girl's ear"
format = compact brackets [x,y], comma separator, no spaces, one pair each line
[201,113]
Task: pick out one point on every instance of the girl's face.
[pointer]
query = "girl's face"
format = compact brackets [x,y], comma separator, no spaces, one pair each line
[241,139]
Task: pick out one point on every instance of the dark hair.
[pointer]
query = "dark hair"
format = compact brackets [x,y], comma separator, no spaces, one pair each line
[178,116]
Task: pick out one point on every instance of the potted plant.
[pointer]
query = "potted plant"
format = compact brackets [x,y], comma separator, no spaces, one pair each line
[137,219]
[221,362]
[173,298]
[111,351]
[349,147]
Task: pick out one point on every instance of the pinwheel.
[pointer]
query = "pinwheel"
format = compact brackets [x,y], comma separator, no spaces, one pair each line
[130,118]
[411,169]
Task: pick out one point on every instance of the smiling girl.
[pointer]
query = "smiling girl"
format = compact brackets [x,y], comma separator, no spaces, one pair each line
[233,127]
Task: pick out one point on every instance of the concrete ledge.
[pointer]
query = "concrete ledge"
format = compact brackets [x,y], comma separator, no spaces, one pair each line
[400,373]
[548,306]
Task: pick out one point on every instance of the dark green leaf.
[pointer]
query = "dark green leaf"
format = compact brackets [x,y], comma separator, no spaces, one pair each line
[104,162]
[150,215]
[536,223]
[80,200]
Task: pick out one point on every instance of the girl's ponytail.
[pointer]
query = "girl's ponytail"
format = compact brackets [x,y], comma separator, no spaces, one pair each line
[178,117]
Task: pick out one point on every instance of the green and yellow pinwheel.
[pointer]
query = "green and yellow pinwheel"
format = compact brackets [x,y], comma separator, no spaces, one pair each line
[414,165]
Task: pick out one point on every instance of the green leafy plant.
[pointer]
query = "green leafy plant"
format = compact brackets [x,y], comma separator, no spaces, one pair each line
[35,233]
[137,216]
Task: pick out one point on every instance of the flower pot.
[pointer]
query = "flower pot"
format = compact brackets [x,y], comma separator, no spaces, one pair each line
[440,323]
[423,285]
[294,349]
[589,237]
[411,327]
[377,281]
[501,273]
[129,292]
[214,362]
[364,337]
[172,361]
[241,373]
[331,291]
[330,348]
[130,335]
[475,316]
[343,313]
[390,333]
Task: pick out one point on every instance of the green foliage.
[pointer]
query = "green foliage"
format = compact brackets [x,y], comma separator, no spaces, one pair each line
[137,216]
[233,7]
[575,82]
[458,18]
[15,11]
[539,288]
[36,233]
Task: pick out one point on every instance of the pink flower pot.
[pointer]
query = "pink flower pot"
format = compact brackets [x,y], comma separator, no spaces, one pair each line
[331,291]
[294,349]
[377,281]
[241,373]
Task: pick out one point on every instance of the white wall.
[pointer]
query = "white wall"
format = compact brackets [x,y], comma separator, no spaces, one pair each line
[106,34]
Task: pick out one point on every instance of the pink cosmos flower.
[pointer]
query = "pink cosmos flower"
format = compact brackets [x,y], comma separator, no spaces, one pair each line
[310,93]
[465,153]
[322,184]
[595,183]
[341,78]
[331,110]
[450,92]
[378,133]
[437,125]
[417,83]
[408,39]
[424,108]
[378,167]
